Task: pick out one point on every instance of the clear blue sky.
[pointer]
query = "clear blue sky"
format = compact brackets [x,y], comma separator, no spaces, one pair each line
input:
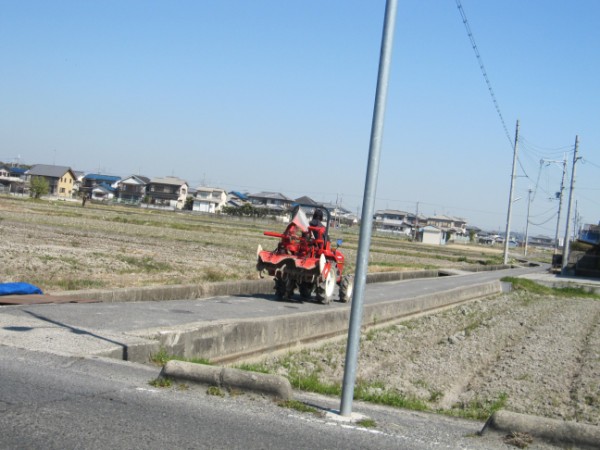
[278,96]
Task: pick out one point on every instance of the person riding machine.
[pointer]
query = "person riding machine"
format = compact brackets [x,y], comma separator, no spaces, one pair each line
[305,260]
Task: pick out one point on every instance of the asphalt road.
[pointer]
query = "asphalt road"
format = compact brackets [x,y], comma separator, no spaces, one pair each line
[52,399]
[56,402]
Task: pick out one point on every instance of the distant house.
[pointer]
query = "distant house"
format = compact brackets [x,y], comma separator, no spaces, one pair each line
[392,221]
[12,179]
[272,203]
[541,241]
[339,214]
[61,179]
[102,192]
[485,239]
[305,200]
[447,222]
[90,181]
[17,172]
[274,200]
[132,189]
[167,192]
[210,200]
[453,228]
[94,179]
[416,220]
[431,235]
[236,199]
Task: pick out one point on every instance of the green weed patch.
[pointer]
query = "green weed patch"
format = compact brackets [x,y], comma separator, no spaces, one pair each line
[162,357]
[531,286]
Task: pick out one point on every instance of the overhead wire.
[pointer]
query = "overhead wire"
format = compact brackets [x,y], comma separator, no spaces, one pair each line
[544,222]
[546,152]
[526,145]
[587,161]
[483,70]
[544,213]
[487,81]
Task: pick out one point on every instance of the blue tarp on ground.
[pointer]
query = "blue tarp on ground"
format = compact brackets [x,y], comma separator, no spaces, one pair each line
[19,289]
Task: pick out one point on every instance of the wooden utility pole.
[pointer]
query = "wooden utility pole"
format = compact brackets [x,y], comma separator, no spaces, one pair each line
[510,197]
[566,249]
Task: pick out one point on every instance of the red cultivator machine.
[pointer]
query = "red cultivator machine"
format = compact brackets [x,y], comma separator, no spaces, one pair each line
[304,259]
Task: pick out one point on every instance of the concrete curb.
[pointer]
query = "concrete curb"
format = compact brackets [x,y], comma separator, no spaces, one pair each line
[196,291]
[224,377]
[554,431]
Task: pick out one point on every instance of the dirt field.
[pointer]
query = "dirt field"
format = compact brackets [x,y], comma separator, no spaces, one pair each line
[62,246]
[530,353]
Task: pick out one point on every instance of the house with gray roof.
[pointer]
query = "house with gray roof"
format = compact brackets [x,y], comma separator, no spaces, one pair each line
[392,221]
[132,189]
[272,203]
[167,192]
[209,199]
[61,179]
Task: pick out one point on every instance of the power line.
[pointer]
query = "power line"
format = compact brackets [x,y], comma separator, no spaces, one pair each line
[587,161]
[544,222]
[545,212]
[522,168]
[543,151]
[484,72]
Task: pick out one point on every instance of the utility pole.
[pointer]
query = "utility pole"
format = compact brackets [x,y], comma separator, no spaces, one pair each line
[366,225]
[566,249]
[510,197]
[576,221]
[416,223]
[527,224]
[560,199]
[559,194]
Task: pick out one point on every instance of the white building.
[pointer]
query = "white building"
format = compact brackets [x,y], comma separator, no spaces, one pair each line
[209,200]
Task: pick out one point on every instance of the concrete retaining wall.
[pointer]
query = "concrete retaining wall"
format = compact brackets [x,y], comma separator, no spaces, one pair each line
[473,268]
[245,339]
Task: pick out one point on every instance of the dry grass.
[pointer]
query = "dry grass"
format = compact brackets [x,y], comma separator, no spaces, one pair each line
[59,245]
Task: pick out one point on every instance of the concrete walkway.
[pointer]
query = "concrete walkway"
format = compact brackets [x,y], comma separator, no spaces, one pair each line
[239,319]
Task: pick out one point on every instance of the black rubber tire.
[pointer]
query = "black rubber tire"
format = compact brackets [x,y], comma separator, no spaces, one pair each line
[290,287]
[280,290]
[305,290]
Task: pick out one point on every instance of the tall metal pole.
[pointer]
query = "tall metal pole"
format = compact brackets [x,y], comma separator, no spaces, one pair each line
[565,256]
[560,199]
[510,197]
[366,225]
[527,225]
[575,221]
